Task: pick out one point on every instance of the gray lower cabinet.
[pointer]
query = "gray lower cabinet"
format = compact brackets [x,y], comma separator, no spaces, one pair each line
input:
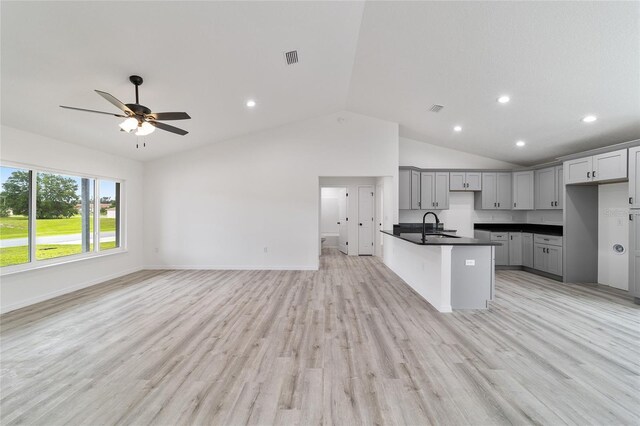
[634,254]
[527,249]
[502,251]
[515,248]
[547,254]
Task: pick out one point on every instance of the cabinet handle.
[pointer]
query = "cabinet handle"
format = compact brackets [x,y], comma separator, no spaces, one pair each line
[631,217]
[552,204]
[436,204]
[556,204]
[594,174]
[338,223]
[588,175]
[514,204]
[630,200]
[498,204]
[511,236]
[495,204]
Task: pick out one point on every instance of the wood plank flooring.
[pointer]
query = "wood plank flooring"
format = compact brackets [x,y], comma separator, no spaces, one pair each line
[349,344]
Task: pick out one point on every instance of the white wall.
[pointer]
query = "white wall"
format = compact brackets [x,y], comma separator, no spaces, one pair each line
[613,228]
[425,156]
[221,205]
[24,288]
[461,214]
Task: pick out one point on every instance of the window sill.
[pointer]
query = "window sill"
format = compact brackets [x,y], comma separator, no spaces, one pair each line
[43,264]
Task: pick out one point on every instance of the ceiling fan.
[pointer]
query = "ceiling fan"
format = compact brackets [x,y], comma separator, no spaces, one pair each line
[139,117]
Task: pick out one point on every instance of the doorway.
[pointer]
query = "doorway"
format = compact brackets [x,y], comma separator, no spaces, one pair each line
[334,218]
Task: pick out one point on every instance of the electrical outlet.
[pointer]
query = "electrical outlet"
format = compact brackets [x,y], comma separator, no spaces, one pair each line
[470,262]
[266,249]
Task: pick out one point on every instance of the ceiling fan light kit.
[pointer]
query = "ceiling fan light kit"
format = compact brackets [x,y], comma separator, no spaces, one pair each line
[138,117]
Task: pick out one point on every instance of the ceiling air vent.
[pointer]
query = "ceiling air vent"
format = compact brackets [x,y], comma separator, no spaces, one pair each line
[291,57]
[436,108]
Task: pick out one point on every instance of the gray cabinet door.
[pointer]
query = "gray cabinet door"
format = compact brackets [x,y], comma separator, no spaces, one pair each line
[474,181]
[527,249]
[540,257]
[610,165]
[634,177]
[579,170]
[488,195]
[457,181]
[503,191]
[515,248]
[502,251]
[415,190]
[554,260]
[427,186]
[545,188]
[404,190]
[441,191]
[634,253]
[523,190]
[560,187]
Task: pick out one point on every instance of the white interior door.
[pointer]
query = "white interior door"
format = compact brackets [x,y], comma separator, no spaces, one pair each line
[343,229]
[379,218]
[366,216]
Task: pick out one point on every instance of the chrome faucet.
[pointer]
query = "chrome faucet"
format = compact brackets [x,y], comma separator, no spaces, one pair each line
[424,232]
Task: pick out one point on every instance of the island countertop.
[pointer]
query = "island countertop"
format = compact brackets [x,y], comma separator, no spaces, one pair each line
[434,239]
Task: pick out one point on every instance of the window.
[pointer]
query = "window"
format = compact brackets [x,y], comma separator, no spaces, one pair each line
[46,215]
[109,214]
[15,198]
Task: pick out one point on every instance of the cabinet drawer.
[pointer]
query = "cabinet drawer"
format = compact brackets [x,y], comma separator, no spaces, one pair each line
[547,239]
[499,236]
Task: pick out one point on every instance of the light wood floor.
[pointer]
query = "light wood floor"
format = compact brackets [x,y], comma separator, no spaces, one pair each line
[349,344]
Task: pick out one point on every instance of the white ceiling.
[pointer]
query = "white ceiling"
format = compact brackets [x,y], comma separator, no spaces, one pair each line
[392,60]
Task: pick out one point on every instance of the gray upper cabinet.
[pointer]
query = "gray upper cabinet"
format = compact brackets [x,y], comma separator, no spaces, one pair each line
[435,190]
[404,190]
[515,248]
[634,177]
[415,190]
[578,170]
[549,188]
[609,166]
[465,181]
[496,191]
[427,195]
[523,194]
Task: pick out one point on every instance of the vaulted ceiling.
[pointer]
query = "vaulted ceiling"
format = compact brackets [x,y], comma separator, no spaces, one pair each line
[558,61]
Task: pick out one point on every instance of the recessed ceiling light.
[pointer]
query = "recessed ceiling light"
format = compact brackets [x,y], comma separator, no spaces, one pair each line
[520,144]
[504,99]
[251,103]
[589,119]
[457,128]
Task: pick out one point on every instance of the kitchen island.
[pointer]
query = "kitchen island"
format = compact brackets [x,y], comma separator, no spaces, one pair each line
[449,272]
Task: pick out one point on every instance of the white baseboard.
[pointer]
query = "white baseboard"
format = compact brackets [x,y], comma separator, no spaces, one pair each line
[51,295]
[232,267]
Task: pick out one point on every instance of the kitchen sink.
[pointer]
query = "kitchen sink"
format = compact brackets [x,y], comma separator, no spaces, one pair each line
[439,236]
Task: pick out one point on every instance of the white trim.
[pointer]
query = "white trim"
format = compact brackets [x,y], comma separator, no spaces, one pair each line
[232,267]
[66,290]
[57,261]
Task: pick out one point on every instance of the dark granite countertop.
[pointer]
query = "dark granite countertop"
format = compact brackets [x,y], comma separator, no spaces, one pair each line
[433,240]
[534,228]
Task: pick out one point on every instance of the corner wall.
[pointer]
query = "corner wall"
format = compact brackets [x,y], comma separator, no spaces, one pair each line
[24,288]
[220,206]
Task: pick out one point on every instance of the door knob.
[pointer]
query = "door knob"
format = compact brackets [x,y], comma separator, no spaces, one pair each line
[360,224]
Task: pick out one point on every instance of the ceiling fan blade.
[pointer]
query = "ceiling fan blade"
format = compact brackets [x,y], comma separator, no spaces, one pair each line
[168,128]
[122,107]
[169,116]
[92,110]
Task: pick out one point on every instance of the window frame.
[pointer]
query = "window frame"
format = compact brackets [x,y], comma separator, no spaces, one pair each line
[121,226]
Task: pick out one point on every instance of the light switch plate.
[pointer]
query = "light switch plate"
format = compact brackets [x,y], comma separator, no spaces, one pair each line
[470,262]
